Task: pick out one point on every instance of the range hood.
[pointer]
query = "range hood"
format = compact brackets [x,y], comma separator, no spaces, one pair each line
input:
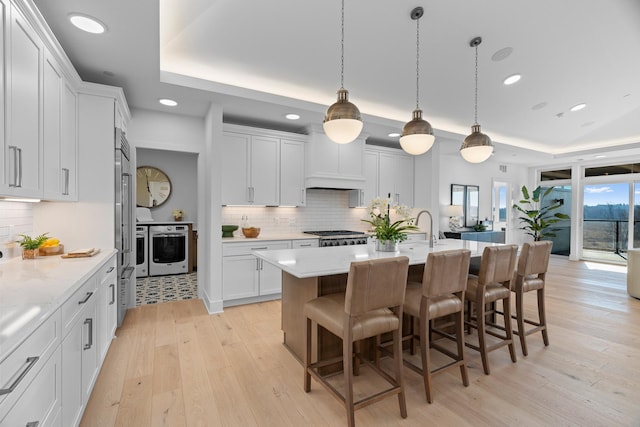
[333,166]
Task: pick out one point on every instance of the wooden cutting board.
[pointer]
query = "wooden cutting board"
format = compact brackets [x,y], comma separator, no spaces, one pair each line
[84,253]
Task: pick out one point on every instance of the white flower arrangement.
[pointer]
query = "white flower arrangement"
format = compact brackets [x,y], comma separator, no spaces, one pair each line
[380,218]
[178,212]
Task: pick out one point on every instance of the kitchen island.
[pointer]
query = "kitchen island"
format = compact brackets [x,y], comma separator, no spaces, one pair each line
[310,273]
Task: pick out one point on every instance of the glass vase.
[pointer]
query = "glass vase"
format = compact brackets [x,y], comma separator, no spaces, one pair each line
[386,246]
[30,253]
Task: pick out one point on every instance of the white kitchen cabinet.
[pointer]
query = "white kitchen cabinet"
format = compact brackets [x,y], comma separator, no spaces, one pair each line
[305,243]
[40,405]
[292,190]
[79,358]
[107,307]
[362,198]
[22,148]
[247,278]
[250,170]
[69,143]
[331,165]
[54,178]
[395,177]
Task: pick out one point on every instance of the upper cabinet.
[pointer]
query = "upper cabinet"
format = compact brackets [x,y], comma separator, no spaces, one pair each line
[331,165]
[389,173]
[22,147]
[262,167]
[39,141]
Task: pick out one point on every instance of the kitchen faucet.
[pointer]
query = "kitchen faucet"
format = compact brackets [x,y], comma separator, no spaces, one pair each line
[431,239]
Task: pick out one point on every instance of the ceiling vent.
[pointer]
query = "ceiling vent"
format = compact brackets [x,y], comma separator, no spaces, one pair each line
[503,168]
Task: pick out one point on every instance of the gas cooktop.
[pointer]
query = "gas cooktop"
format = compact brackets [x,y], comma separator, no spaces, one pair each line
[333,233]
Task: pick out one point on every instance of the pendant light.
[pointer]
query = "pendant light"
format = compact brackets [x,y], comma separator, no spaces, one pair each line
[342,123]
[476,147]
[417,135]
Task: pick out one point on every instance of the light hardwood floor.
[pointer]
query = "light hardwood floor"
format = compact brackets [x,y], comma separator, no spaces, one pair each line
[174,365]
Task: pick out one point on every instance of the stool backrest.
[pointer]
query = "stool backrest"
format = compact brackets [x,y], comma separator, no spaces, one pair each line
[376,284]
[446,272]
[534,258]
[498,264]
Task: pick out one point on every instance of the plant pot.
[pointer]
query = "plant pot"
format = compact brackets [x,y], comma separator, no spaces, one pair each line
[386,246]
[177,218]
[30,253]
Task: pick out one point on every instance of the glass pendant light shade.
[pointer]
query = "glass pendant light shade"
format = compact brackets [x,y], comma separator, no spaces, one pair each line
[417,135]
[476,147]
[342,123]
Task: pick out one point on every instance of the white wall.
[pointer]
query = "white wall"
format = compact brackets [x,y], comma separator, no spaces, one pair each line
[182,170]
[164,131]
[15,218]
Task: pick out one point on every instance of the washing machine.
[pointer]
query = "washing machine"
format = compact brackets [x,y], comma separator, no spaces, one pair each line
[168,249]
[142,251]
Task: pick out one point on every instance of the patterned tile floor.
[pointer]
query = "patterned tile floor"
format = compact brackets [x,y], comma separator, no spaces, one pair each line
[157,289]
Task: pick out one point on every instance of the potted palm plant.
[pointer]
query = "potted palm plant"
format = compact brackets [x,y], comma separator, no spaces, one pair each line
[30,245]
[389,234]
[538,216]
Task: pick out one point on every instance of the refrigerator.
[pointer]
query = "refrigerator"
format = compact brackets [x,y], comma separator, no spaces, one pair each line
[123,223]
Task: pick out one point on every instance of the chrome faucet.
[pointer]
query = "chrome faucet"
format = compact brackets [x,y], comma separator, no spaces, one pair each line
[431,239]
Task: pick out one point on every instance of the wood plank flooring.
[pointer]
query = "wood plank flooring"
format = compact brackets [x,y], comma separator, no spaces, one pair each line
[172,364]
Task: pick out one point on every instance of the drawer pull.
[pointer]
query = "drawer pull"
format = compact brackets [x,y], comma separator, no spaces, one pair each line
[86,298]
[260,249]
[306,245]
[33,424]
[90,343]
[113,293]
[110,270]
[30,362]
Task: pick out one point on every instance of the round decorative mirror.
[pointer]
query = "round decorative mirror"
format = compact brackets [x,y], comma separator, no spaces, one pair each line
[153,187]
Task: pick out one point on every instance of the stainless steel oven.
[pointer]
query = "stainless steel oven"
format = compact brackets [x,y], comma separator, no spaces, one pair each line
[142,251]
[168,249]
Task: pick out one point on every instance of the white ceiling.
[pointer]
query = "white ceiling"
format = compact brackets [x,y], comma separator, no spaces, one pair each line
[262,59]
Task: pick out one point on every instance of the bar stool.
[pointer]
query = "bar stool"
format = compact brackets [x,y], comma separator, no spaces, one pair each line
[530,276]
[440,294]
[371,305]
[492,284]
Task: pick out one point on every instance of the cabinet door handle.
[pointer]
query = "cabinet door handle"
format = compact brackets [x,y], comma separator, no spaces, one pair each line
[110,269]
[253,194]
[65,192]
[86,298]
[15,165]
[113,293]
[257,263]
[30,362]
[89,322]
[20,163]
[33,424]
[302,194]
[306,245]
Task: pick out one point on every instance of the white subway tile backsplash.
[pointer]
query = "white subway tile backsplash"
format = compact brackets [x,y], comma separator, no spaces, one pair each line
[15,218]
[325,210]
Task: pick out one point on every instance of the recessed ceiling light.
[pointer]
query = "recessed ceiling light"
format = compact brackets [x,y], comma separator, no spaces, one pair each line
[539,106]
[292,116]
[601,156]
[577,107]
[87,23]
[168,102]
[502,54]
[512,79]
[394,135]
[584,125]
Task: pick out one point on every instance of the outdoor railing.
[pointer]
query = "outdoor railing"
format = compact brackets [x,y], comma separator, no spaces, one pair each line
[609,235]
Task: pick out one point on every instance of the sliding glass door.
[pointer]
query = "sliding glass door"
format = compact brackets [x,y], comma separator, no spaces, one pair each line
[636,216]
[605,230]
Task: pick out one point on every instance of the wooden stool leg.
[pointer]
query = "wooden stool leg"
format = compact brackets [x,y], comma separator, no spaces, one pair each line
[424,354]
[356,358]
[520,320]
[460,341]
[506,305]
[347,360]
[397,359]
[542,316]
[480,317]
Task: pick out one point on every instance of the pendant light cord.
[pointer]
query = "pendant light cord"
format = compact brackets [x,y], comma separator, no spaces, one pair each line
[342,49]
[417,62]
[476,101]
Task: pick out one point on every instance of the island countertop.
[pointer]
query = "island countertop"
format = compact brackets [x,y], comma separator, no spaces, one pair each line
[317,262]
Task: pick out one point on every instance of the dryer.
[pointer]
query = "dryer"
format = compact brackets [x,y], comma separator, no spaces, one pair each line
[168,249]
[142,251]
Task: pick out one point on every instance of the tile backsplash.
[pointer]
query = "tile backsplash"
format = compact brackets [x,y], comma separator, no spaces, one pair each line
[325,210]
[15,218]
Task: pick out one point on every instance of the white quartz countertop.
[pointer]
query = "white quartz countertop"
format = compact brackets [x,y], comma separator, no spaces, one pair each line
[31,290]
[314,262]
[238,237]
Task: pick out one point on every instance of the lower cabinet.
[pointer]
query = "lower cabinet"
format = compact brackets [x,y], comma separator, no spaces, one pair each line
[245,276]
[79,363]
[107,308]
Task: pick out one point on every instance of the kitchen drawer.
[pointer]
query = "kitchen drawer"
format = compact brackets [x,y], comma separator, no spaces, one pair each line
[107,269]
[412,237]
[40,404]
[20,367]
[245,248]
[72,307]
[305,243]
